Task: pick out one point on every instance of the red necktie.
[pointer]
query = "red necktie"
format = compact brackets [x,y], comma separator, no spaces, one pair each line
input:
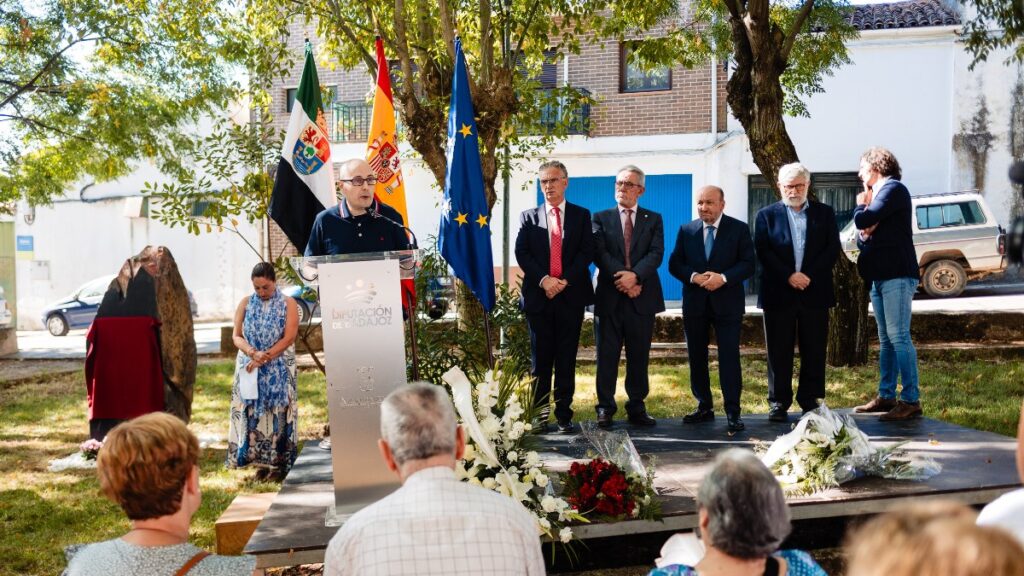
[628,235]
[556,245]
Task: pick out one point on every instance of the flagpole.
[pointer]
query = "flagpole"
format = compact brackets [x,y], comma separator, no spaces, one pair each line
[487,336]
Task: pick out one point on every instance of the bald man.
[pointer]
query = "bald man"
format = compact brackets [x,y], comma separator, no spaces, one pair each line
[713,255]
[359,223]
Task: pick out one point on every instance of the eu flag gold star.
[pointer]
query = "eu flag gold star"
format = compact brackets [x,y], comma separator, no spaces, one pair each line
[466,130]
[461,218]
[482,220]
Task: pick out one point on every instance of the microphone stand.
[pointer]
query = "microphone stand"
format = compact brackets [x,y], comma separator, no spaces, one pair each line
[411,310]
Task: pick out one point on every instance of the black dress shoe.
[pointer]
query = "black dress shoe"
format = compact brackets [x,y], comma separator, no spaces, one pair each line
[565,426]
[778,414]
[699,415]
[642,419]
[735,423]
[604,418]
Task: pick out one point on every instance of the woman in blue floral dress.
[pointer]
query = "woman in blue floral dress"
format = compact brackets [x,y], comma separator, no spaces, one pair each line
[262,432]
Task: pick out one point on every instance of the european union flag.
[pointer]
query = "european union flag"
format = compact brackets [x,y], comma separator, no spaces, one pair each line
[465,227]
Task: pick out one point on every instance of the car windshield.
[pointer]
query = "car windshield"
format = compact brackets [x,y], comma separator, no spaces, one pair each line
[92,288]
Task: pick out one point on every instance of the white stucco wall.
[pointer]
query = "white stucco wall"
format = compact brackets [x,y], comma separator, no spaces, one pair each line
[898,93]
[78,242]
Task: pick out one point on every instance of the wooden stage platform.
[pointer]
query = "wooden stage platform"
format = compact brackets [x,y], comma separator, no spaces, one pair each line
[977,467]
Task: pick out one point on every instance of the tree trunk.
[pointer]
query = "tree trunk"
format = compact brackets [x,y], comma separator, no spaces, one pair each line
[848,329]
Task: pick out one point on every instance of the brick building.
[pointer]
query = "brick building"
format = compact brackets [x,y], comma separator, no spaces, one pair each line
[667,123]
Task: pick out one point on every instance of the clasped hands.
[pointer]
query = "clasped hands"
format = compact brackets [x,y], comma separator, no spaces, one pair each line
[865,198]
[799,280]
[627,283]
[709,281]
[257,358]
[553,286]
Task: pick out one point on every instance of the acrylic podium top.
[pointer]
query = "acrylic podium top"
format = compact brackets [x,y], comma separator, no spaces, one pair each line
[306,266]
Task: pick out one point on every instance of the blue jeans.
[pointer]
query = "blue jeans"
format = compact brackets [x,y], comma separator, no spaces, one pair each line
[898,358]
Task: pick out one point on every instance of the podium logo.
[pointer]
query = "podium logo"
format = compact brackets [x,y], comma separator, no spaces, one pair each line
[361,312]
[360,292]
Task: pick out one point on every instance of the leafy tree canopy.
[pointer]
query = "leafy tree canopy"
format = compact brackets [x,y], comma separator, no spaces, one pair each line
[90,87]
[999,25]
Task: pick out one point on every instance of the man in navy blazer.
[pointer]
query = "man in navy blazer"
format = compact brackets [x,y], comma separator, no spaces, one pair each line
[797,242]
[628,295]
[712,257]
[554,248]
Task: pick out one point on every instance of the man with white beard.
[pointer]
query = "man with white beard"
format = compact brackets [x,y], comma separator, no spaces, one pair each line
[797,243]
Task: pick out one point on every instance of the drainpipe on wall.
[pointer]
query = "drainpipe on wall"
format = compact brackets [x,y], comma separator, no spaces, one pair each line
[714,95]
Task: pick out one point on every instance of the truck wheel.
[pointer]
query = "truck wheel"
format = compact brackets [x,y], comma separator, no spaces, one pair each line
[944,279]
[303,309]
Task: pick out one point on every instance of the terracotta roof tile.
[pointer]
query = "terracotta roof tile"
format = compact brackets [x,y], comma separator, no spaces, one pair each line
[907,14]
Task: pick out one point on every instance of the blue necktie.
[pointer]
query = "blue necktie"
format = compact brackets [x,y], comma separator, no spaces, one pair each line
[709,242]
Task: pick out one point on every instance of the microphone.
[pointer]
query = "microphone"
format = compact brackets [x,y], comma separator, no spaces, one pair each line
[413,243]
[1017,173]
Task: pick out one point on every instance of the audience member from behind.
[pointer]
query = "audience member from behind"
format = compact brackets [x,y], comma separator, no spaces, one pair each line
[1007,511]
[743,519]
[149,467]
[433,524]
[932,538]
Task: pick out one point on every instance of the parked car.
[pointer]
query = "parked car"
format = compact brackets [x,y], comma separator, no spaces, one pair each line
[957,240]
[79,308]
[5,311]
[307,298]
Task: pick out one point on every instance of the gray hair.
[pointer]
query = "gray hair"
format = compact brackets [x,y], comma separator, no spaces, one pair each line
[634,170]
[554,164]
[747,512]
[417,421]
[794,171]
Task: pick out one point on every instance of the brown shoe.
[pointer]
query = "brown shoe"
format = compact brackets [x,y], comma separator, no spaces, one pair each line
[879,404]
[902,411]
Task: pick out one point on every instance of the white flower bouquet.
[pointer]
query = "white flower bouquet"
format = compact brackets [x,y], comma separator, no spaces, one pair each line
[826,449]
[499,456]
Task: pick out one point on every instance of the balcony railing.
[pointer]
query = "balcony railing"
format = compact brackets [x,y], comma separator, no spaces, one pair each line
[352,119]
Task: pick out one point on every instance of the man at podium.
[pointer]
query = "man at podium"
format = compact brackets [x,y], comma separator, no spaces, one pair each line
[359,223]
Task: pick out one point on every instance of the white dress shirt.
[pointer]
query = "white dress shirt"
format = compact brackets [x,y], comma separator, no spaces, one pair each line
[549,209]
[435,524]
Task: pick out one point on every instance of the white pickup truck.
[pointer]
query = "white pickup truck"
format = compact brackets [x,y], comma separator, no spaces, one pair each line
[957,240]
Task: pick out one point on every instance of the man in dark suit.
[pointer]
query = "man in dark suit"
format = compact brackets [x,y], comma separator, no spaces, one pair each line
[554,248]
[797,242]
[629,245]
[712,257]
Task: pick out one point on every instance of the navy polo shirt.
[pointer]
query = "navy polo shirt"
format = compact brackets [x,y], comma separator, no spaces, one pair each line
[336,234]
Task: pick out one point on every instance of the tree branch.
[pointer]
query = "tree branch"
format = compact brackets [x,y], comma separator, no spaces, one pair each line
[794,29]
[38,124]
[522,37]
[46,66]
[342,23]
[486,42]
[447,27]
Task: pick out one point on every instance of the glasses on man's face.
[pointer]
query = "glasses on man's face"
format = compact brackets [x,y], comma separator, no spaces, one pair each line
[626,184]
[549,181]
[359,181]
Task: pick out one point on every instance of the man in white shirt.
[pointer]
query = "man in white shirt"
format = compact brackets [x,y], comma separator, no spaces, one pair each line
[433,524]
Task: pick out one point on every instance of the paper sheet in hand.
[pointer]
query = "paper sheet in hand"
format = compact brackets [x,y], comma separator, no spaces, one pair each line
[247,387]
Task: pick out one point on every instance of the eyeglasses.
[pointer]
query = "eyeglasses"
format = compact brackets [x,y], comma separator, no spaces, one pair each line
[625,184]
[798,186]
[359,181]
[551,180]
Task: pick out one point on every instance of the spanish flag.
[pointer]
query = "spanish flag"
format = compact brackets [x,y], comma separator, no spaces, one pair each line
[382,146]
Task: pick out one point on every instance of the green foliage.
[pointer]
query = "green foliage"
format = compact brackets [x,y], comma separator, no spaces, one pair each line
[91,88]
[998,25]
[443,343]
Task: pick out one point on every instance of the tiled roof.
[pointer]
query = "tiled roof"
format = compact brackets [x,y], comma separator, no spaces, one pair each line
[907,14]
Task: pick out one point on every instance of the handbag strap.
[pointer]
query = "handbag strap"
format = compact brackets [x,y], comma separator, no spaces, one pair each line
[192,562]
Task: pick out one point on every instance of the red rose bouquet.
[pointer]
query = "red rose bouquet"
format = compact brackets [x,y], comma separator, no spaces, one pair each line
[600,489]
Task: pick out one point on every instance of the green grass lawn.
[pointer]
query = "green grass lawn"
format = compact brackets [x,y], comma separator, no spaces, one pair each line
[45,418]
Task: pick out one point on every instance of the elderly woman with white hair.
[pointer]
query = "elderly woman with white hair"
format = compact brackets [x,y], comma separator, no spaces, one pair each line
[743,519]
